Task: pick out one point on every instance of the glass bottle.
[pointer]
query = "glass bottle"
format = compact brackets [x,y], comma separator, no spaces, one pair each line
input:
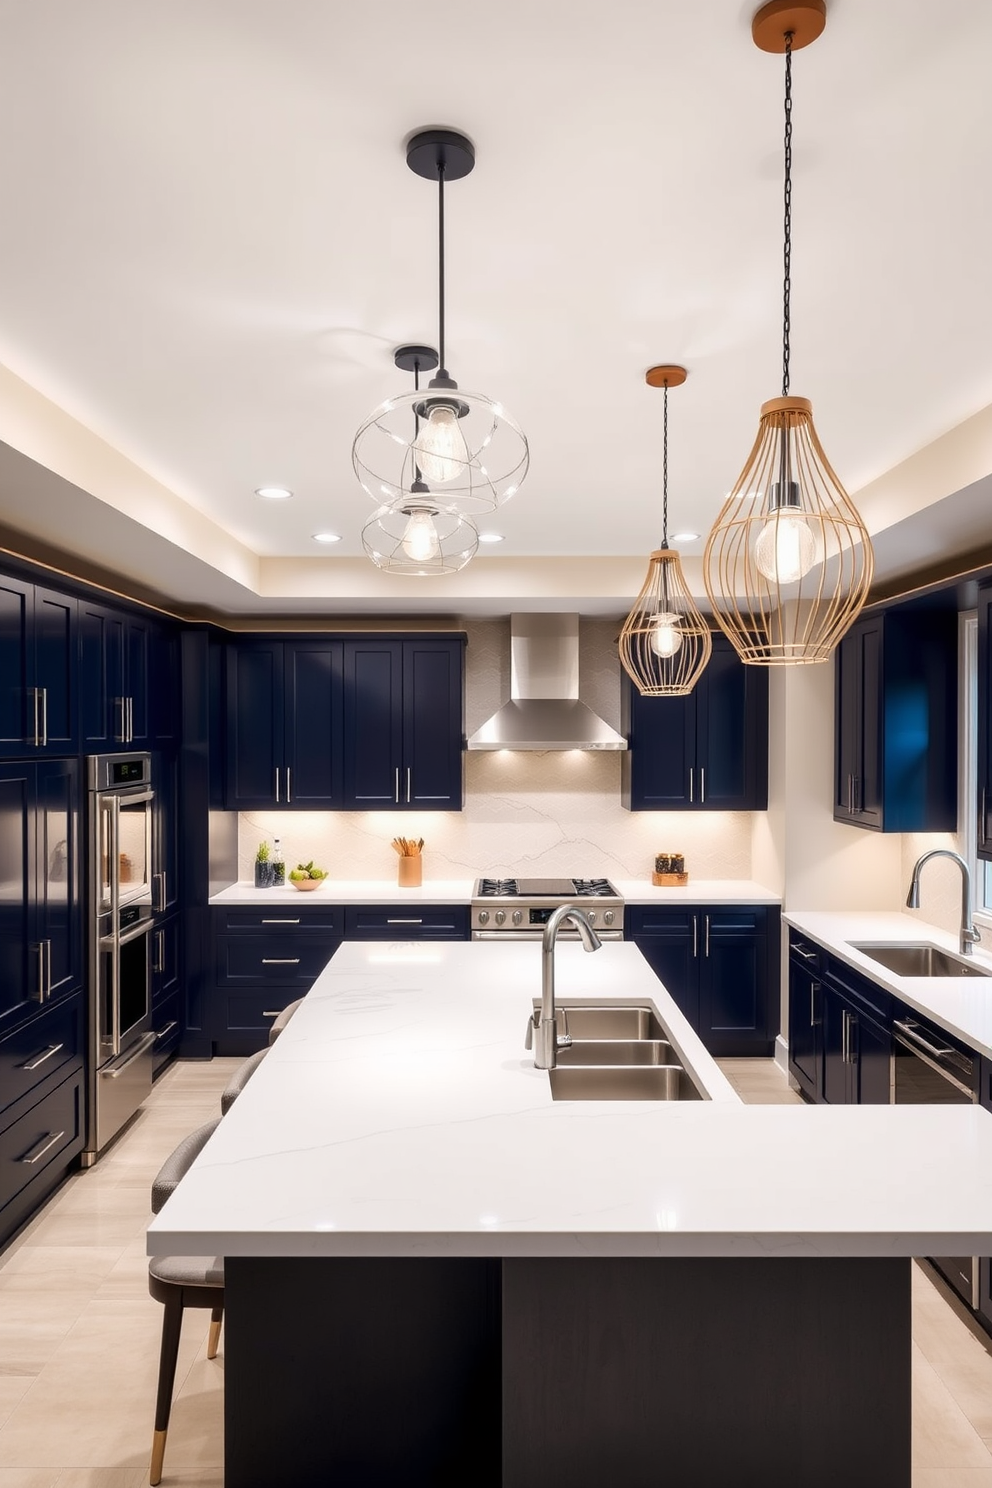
[278,867]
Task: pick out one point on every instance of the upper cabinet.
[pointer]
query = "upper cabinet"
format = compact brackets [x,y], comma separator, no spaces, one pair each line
[403,733]
[38,645]
[284,724]
[129,679]
[707,751]
[896,722]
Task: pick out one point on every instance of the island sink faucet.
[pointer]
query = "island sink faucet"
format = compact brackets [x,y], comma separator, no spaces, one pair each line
[968,936]
[542,1028]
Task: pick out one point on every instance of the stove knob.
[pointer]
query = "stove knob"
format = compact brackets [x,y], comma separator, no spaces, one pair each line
[592,917]
[608,917]
[500,916]
[483,917]
[517,917]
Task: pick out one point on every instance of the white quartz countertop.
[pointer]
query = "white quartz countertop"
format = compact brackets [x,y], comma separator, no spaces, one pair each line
[961,1005]
[459,891]
[399,1114]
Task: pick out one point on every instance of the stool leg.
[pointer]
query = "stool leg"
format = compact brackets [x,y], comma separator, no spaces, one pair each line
[172,1322]
[213,1338]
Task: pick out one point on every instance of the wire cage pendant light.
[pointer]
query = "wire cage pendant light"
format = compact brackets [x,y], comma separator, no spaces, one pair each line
[414,533]
[788,563]
[665,641]
[467,448]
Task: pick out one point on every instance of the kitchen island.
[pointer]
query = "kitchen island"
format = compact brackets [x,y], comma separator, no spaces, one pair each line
[437,1274]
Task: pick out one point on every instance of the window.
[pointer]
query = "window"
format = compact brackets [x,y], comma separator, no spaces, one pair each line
[981,873]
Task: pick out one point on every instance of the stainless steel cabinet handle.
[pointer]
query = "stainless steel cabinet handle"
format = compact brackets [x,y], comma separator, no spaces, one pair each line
[396,787]
[271,1012]
[41,1059]
[282,922]
[159,962]
[706,942]
[44,717]
[118,1069]
[843,1036]
[702,785]
[48,968]
[289,790]
[122,730]
[404,922]
[35,699]
[695,935]
[164,1032]
[280,960]
[908,1031]
[850,794]
[691,774]
[39,991]
[277,783]
[158,891]
[35,1153]
[814,1021]
[806,955]
[981,822]
[130,720]
[408,774]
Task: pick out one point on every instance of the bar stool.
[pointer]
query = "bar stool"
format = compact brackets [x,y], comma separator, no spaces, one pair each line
[279,1025]
[240,1079]
[179,1282]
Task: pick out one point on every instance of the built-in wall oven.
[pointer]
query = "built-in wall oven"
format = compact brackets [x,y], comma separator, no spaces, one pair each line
[931,1068]
[120,802]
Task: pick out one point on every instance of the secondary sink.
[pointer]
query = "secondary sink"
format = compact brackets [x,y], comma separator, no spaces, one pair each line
[918,959]
[660,1082]
[622,1052]
[622,1022]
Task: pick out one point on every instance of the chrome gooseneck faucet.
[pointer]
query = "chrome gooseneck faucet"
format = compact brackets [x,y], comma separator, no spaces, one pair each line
[543,1027]
[969,936]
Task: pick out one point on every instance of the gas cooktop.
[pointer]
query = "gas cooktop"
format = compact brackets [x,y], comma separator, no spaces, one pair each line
[549,888]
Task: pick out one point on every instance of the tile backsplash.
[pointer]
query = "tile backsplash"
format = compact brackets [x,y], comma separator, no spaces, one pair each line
[543,813]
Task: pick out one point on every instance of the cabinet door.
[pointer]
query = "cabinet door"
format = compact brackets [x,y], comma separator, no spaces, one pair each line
[313,724]
[255,719]
[16,713]
[137,667]
[847,689]
[658,766]
[868,778]
[165,958]
[731,733]
[805,1025]
[58,874]
[733,982]
[166,827]
[20,969]
[164,700]
[431,772]
[101,678]
[669,942]
[56,669]
[373,724]
[872,1050]
[984,803]
[836,1069]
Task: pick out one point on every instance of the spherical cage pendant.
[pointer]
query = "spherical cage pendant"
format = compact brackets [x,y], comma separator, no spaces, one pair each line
[789,562]
[470,451]
[419,537]
[665,642]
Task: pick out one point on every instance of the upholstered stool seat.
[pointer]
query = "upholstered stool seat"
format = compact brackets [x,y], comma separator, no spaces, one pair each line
[279,1025]
[240,1079]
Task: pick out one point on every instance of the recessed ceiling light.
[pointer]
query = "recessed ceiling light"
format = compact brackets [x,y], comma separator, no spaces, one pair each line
[327,537]
[273,493]
[490,537]
[684,536]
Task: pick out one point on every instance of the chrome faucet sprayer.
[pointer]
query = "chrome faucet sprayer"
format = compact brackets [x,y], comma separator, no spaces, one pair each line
[968,935]
[543,1028]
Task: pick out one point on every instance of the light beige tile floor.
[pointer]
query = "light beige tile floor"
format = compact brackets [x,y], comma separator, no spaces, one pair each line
[79,1333]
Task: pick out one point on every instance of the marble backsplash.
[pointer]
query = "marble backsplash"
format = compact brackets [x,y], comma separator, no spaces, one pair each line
[541,813]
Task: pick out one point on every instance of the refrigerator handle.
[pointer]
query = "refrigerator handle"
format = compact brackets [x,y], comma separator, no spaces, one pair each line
[114,875]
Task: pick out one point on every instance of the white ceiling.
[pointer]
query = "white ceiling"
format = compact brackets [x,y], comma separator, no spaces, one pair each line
[210,242]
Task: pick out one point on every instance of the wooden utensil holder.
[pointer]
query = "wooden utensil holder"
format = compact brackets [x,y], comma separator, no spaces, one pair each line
[411,872]
[669,880]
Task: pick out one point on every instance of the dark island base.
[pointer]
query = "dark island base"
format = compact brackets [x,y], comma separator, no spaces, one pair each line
[436,1373]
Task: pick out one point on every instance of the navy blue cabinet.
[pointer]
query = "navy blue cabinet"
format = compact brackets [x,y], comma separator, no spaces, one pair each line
[720,964]
[403,723]
[264,959]
[840,1029]
[806,1016]
[896,722]
[38,671]
[41,952]
[283,725]
[407,922]
[128,679]
[707,751]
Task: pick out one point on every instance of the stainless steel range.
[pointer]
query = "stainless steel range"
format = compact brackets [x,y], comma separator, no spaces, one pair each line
[519,908]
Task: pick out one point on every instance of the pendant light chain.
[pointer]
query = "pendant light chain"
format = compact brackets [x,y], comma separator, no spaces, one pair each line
[787,196]
[442,364]
[664,507]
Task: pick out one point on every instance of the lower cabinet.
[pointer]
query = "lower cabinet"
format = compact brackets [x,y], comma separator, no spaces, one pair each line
[40,1138]
[720,964]
[265,958]
[840,1029]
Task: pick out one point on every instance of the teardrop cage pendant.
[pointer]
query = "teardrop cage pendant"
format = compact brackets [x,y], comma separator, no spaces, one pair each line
[665,641]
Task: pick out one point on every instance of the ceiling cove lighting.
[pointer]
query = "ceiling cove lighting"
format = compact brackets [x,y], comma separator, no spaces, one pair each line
[414,533]
[273,493]
[463,446]
[789,561]
[665,643]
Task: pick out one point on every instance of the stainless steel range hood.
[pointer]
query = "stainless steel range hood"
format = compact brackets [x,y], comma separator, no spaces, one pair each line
[544,711]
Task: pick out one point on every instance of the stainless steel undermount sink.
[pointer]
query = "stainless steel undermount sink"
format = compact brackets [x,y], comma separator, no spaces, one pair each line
[617,1053]
[918,958]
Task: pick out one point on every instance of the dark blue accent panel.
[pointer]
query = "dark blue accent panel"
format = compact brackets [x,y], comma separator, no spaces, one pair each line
[373,729]
[432,724]
[313,683]
[255,720]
